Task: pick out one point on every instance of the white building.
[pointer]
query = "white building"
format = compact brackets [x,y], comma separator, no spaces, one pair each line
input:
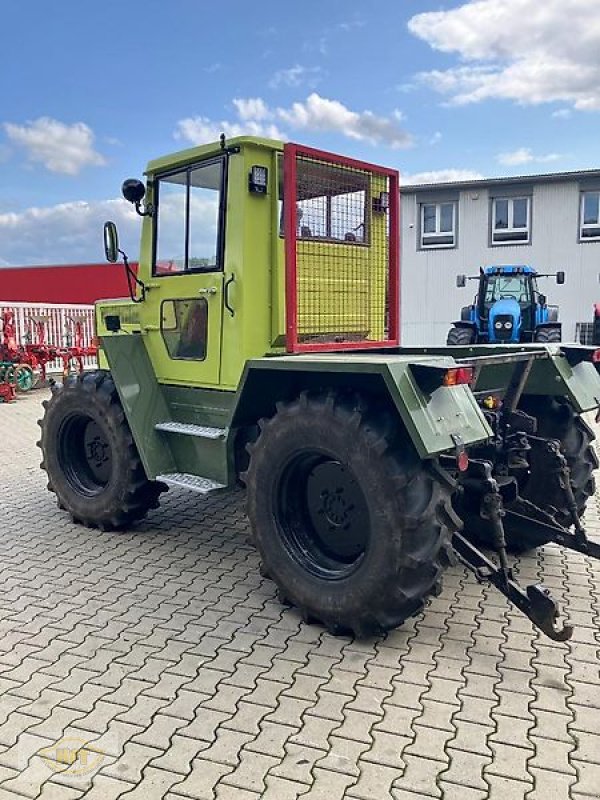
[549,222]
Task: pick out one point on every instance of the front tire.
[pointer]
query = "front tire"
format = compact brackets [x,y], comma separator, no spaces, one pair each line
[350,524]
[547,335]
[460,336]
[89,455]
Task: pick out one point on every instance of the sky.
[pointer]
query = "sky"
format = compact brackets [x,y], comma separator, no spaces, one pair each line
[91,91]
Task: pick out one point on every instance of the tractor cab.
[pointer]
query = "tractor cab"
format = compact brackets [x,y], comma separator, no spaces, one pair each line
[508,308]
[254,247]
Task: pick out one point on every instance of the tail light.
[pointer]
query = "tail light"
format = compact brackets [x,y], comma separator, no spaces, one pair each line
[458,377]
[462,461]
[596,356]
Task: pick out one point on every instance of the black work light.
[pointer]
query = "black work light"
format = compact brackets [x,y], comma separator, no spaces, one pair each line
[258,179]
[382,203]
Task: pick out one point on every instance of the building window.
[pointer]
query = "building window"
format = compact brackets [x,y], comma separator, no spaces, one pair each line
[590,216]
[511,220]
[438,225]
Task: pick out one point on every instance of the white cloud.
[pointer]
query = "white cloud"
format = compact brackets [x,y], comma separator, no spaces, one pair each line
[252,108]
[315,114]
[66,233]
[318,113]
[524,155]
[562,113]
[441,176]
[201,130]
[296,76]
[352,24]
[59,147]
[520,50]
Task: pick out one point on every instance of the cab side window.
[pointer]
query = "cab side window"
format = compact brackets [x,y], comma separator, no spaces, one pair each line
[184,328]
[188,220]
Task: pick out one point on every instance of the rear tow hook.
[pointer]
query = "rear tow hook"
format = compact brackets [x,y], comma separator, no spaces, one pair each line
[535,602]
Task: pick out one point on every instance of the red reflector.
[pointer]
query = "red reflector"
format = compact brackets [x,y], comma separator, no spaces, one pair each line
[462,461]
[458,377]
[596,356]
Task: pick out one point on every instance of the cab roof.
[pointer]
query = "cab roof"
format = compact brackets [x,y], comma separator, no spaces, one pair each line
[506,269]
[192,154]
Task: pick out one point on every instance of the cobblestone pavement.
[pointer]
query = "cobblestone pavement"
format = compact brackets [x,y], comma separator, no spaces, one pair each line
[158,663]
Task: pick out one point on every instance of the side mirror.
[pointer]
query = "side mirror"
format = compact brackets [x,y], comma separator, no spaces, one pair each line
[461,281]
[111,242]
[133,190]
[560,277]
[542,299]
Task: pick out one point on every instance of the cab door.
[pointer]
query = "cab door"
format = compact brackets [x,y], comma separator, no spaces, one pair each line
[182,315]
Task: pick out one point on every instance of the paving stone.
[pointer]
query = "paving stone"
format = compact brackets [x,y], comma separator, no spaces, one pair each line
[271,739]
[298,763]
[420,777]
[554,755]
[173,622]
[251,772]
[501,788]
[52,791]
[130,765]
[509,762]
[326,786]
[202,780]
[375,781]
[550,785]
[343,755]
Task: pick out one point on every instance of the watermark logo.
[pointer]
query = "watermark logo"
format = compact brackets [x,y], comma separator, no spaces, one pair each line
[81,757]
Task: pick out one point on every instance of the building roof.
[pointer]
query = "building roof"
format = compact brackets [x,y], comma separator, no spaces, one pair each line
[549,177]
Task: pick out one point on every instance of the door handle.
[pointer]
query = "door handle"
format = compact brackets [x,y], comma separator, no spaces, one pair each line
[226,302]
[208,290]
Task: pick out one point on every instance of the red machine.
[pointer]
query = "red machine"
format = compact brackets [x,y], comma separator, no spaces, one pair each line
[36,353]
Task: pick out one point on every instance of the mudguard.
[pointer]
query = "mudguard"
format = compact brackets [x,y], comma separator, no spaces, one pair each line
[436,417]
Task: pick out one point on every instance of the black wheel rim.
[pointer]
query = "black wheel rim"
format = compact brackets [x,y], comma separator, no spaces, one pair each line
[85,454]
[322,515]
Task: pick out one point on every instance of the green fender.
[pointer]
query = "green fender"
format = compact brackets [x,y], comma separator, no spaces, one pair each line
[435,416]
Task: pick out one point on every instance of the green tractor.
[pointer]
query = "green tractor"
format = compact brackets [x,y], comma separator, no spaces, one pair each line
[260,346]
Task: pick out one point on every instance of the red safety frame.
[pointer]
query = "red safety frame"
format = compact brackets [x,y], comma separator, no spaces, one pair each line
[291,152]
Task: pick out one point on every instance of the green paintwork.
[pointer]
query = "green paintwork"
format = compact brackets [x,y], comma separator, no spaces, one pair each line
[568,371]
[431,419]
[146,403]
[246,371]
[142,400]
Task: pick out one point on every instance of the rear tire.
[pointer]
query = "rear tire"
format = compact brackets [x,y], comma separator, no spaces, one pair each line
[547,335]
[90,457]
[557,420]
[350,524]
[460,336]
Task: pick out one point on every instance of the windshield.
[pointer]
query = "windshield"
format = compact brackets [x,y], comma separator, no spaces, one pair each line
[500,287]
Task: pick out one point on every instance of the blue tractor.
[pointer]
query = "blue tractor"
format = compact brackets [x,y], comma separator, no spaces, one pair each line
[508,308]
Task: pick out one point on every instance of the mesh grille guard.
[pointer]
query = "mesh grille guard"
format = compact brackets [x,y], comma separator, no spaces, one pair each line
[342,252]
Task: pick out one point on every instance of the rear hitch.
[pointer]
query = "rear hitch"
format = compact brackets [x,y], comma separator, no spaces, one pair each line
[547,525]
[535,602]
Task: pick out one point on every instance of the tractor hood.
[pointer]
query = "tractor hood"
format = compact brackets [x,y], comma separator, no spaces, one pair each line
[504,321]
